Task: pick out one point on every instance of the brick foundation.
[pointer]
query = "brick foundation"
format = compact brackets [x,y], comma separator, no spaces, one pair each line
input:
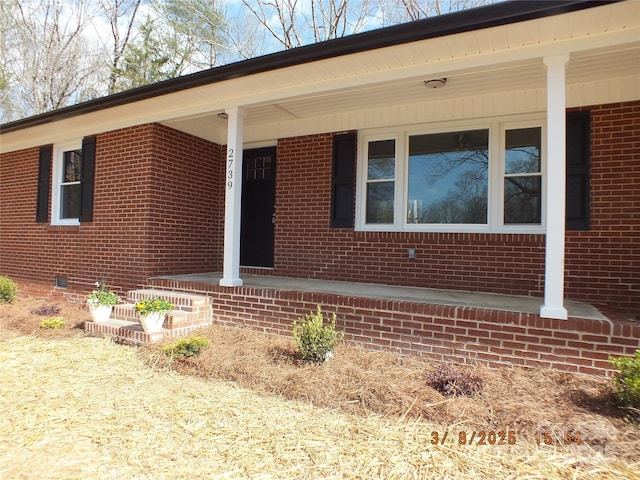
[443,333]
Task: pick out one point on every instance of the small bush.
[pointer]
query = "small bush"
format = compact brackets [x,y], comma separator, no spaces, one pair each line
[626,381]
[315,340]
[451,382]
[8,289]
[50,310]
[186,347]
[52,323]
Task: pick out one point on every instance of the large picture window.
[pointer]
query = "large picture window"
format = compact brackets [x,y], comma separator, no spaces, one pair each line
[482,178]
[448,177]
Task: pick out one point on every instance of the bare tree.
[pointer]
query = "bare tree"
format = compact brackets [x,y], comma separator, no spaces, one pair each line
[121,16]
[398,11]
[196,26]
[294,23]
[245,37]
[7,35]
[46,64]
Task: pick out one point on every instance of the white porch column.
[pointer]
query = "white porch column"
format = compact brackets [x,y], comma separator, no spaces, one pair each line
[233,199]
[556,189]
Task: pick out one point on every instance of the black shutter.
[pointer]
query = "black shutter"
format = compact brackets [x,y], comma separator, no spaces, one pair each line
[86,178]
[578,152]
[44,184]
[343,181]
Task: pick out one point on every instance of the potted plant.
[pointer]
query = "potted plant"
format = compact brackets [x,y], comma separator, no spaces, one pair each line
[101,302]
[152,312]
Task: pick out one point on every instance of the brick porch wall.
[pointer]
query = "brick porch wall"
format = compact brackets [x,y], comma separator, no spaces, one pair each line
[463,335]
[602,264]
[444,333]
[154,200]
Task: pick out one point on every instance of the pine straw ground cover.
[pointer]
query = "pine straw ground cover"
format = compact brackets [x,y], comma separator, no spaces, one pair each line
[76,407]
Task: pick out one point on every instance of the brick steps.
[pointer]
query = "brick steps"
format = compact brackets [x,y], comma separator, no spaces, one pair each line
[190,312]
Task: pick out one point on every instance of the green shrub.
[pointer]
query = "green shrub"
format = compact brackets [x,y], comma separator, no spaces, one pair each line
[626,381]
[186,347]
[8,289]
[452,383]
[316,340]
[52,323]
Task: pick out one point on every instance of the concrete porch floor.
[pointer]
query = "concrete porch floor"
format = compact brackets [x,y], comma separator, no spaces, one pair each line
[512,303]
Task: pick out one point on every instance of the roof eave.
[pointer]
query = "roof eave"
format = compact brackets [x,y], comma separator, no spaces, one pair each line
[459,22]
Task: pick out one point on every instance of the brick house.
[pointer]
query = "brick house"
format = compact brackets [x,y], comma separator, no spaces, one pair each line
[495,150]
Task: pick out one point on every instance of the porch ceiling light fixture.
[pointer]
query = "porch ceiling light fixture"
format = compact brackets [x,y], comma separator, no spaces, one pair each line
[223,115]
[435,83]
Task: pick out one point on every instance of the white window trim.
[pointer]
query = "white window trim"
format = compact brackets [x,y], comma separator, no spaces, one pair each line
[362,179]
[524,228]
[58,161]
[495,208]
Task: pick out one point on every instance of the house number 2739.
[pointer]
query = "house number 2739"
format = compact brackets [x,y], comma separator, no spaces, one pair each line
[230,159]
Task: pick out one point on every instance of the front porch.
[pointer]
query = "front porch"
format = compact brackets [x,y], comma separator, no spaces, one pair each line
[446,325]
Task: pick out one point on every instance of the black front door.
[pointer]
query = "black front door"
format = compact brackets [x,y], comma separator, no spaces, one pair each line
[258,207]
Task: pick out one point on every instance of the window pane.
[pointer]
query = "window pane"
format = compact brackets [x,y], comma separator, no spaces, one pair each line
[448,177]
[72,163]
[523,150]
[522,199]
[70,205]
[380,202]
[382,160]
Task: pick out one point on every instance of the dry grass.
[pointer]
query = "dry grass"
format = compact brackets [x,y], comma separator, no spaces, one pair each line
[357,381]
[85,408]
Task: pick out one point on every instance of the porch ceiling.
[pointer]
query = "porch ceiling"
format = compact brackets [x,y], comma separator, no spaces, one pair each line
[586,67]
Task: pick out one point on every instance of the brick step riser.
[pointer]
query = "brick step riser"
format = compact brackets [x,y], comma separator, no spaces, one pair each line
[182,301]
[190,312]
[174,319]
[131,334]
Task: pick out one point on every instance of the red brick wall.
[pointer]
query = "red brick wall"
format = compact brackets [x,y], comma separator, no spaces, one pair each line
[602,265]
[306,246]
[156,192]
[187,211]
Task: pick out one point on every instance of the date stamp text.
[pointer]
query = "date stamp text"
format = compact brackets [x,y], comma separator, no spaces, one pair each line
[503,437]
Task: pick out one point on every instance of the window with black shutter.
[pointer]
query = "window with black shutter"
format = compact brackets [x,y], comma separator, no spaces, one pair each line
[72,181]
[578,152]
[343,181]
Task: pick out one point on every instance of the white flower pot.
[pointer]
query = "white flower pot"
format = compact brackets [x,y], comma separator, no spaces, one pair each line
[100,313]
[152,322]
